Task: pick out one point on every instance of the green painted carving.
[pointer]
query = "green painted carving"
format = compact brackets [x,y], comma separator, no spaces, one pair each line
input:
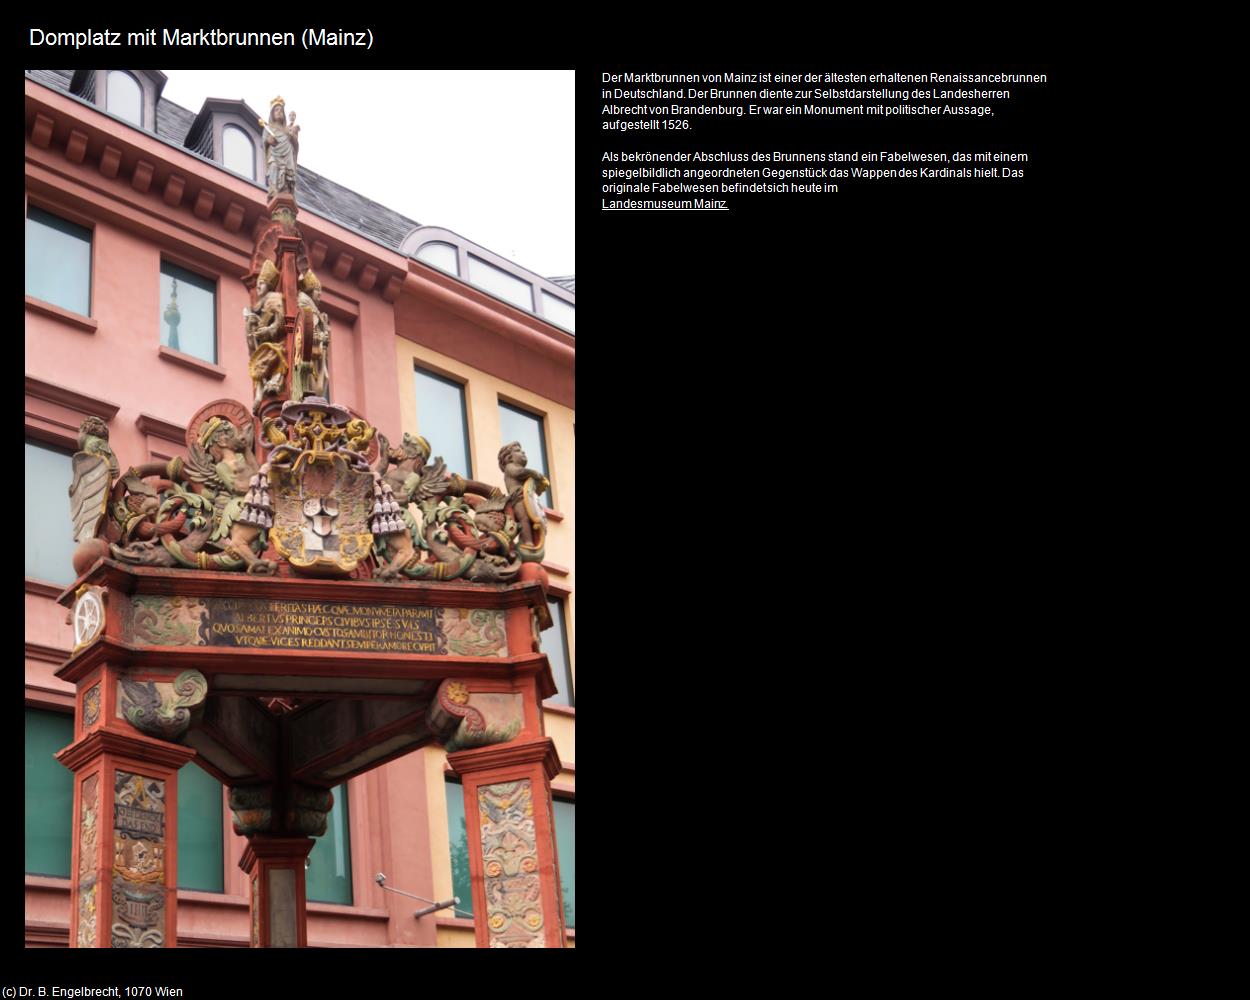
[479,634]
[159,709]
[465,738]
[167,621]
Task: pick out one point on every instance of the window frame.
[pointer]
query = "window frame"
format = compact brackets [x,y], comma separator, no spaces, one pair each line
[562,597]
[354,889]
[48,444]
[77,219]
[523,409]
[69,825]
[141,123]
[442,375]
[226,126]
[175,261]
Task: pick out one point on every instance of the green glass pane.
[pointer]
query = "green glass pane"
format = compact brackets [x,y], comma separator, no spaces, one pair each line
[199,830]
[189,322]
[49,530]
[441,421]
[555,644]
[49,793]
[517,425]
[459,838]
[58,261]
[565,848]
[329,875]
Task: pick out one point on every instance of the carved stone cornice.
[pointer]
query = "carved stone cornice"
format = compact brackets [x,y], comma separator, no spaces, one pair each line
[47,654]
[100,741]
[71,399]
[263,848]
[504,755]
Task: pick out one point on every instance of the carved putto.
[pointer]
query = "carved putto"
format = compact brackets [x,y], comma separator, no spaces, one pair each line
[315,505]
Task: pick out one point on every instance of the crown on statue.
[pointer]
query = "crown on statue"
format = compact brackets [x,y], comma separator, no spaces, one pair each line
[277,100]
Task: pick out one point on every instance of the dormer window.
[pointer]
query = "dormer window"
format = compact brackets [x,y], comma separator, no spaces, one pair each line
[228,132]
[130,95]
[238,152]
[125,97]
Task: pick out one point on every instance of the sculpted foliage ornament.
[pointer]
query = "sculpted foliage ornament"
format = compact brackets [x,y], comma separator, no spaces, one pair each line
[321,493]
[159,709]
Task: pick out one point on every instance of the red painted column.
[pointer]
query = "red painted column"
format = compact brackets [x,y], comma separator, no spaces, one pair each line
[513,865]
[275,873]
[124,870]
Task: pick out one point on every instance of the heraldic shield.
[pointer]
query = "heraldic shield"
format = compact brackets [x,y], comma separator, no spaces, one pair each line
[321,511]
[88,494]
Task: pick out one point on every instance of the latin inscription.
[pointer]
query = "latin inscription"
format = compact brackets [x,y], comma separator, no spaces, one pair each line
[252,623]
[309,625]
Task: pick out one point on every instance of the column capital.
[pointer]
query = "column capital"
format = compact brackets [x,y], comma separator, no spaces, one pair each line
[101,741]
[505,755]
[262,848]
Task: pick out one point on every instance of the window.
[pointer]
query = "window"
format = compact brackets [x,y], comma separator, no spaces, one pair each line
[441,255]
[500,283]
[124,97]
[442,421]
[237,152]
[566,845]
[49,793]
[58,261]
[458,836]
[559,312]
[188,313]
[199,830]
[556,645]
[517,425]
[329,875]
[49,530]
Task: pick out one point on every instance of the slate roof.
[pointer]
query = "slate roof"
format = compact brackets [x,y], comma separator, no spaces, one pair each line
[320,194]
[317,193]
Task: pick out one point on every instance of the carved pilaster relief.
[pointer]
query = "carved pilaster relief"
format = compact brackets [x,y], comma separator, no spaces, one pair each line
[514,916]
[138,862]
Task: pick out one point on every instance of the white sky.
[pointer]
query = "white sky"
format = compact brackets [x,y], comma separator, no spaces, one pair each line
[488,155]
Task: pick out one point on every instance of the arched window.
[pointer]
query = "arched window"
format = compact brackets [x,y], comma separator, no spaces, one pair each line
[238,153]
[440,255]
[125,97]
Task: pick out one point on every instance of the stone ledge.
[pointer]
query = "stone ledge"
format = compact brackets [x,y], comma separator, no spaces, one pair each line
[76,320]
[195,364]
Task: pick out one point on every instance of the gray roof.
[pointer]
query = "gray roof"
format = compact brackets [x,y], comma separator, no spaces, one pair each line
[568,282]
[317,193]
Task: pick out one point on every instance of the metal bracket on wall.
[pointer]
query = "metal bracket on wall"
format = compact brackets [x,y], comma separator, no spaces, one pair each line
[432,908]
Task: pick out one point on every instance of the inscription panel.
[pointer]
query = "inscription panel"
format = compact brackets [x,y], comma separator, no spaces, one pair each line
[255,623]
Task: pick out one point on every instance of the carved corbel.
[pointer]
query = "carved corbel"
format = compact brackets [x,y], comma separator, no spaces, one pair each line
[162,709]
[462,719]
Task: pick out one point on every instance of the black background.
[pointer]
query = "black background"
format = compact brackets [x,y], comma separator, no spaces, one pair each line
[825,459]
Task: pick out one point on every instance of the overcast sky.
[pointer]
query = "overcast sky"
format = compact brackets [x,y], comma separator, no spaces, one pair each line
[486,154]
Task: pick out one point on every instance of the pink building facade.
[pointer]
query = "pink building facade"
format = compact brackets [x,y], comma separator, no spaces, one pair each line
[126,201]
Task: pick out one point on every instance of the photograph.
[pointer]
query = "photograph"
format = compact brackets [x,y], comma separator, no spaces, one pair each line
[300,508]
